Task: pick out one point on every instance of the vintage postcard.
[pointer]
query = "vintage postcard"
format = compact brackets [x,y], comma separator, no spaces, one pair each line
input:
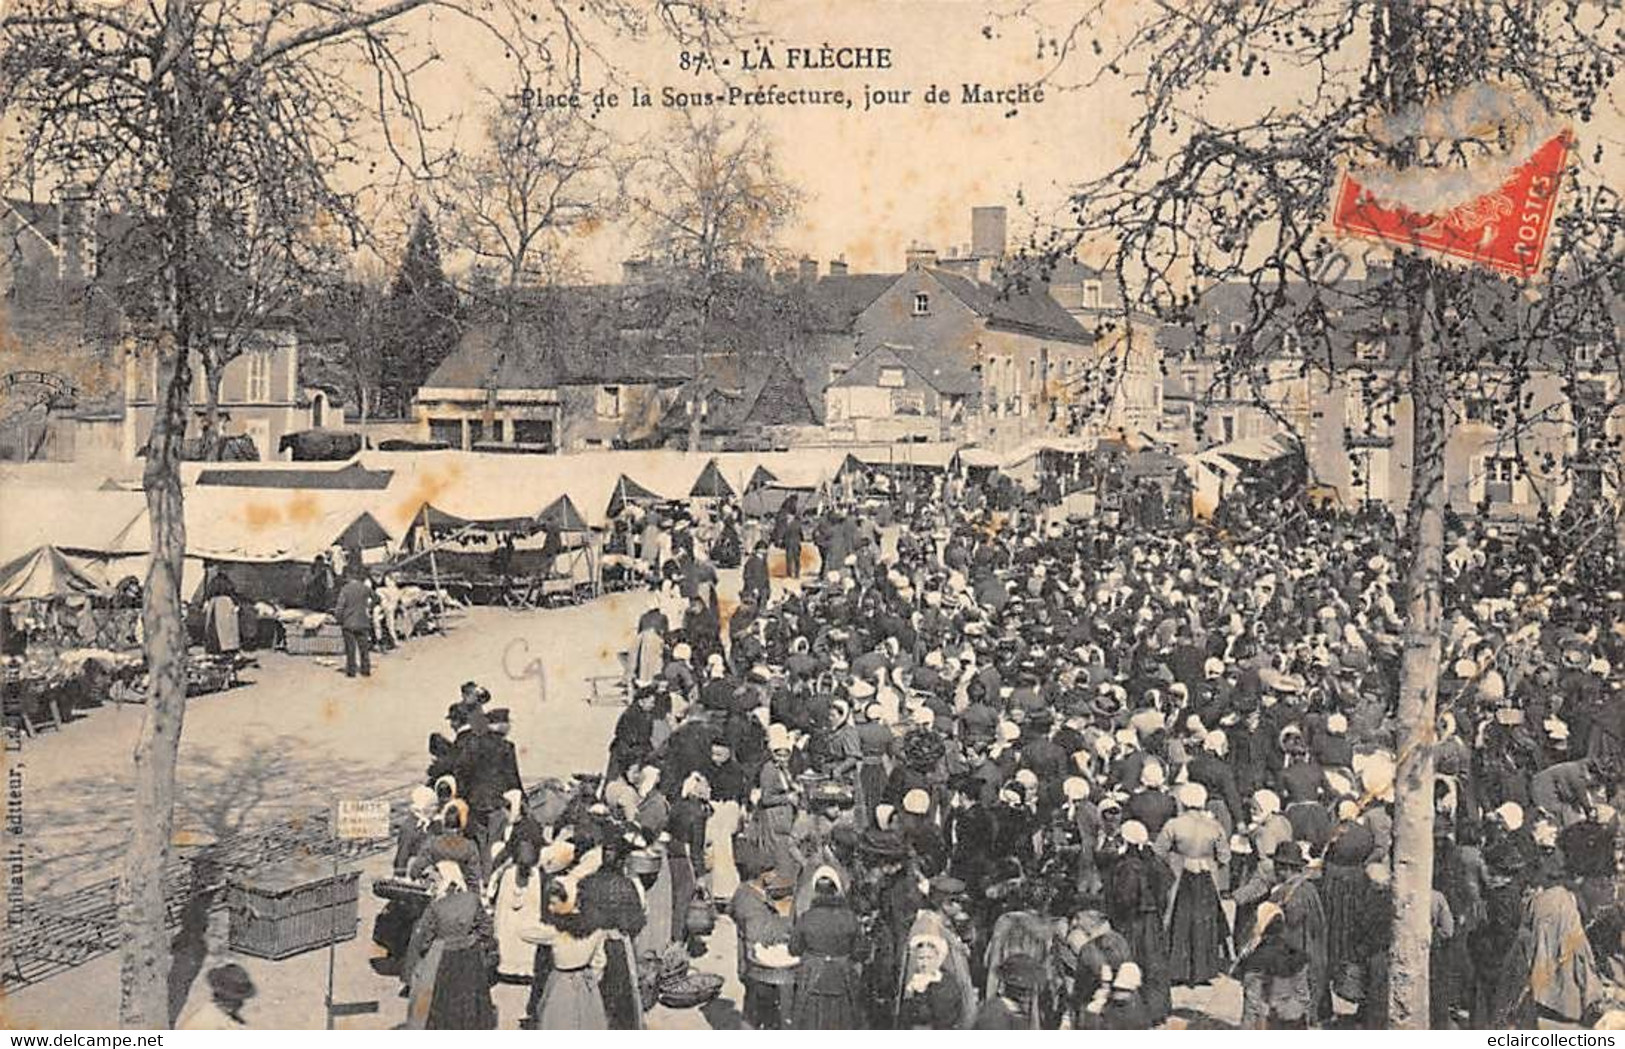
[725,514]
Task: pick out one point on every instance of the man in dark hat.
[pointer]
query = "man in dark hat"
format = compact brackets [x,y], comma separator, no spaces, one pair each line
[754,585]
[486,766]
[1301,910]
[896,900]
[353,610]
[1048,760]
[1014,1008]
[443,752]
[230,988]
[970,830]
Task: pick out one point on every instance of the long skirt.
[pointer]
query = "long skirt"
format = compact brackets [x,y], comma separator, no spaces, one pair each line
[1342,891]
[682,894]
[719,846]
[1196,931]
[449,991]
[571,1002]
[623,1004]
[871,787]
[827,995]
[656,933]
[1148,946]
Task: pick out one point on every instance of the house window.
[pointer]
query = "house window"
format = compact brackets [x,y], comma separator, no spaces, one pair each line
[890,377]
[1586,355]
[922,304]
[1227,427]
[609,402]
[908,402]
[1478,409]
[1369,349]
[533,431]
[446,431]
[1091,294]
[1500,479]
[259,376]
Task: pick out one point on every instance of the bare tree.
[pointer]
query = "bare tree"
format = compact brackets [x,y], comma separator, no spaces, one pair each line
[708,196]
[1209,195]
[267,246]
[162,103]
[542,175]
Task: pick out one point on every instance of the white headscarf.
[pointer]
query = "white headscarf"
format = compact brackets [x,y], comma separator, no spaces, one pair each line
[450,874]
[423,804]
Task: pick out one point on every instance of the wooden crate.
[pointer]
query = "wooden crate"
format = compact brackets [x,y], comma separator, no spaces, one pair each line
[280,911]
[326,641]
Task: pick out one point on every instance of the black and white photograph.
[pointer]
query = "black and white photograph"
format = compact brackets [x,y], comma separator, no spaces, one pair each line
[739,515]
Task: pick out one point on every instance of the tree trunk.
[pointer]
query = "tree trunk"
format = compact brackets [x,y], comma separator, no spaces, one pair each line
[213,439]
[1408,1005]
[696,404]
[144,959]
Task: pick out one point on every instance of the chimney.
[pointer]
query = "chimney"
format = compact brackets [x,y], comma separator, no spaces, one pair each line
[807,269]
[73,231]
[918,257]
[987,232]
[837,267]
[634,271]
[753,266]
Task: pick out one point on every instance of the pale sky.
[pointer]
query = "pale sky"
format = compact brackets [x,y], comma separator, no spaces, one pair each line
[875,182]
[872,182]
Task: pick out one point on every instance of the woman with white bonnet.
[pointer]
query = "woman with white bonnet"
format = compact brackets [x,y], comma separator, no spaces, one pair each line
[1151,804]
[445,968]
[392,929]
[1083,817]
[931,999]
[1196,847]
[649,650]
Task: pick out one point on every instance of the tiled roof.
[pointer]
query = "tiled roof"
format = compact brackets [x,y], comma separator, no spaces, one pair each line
[840,298]
[941,375]
[1015,305]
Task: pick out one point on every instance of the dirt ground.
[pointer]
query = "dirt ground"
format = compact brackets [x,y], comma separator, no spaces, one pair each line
[300,734]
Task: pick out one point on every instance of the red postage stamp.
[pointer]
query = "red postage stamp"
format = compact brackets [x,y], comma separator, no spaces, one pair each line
[1505,229]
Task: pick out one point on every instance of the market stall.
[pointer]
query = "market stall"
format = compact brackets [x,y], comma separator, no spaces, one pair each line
[278,555]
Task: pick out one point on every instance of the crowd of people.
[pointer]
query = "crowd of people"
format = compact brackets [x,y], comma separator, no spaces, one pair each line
[952,762]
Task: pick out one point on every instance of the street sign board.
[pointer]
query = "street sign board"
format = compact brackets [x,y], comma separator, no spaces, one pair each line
[359,820]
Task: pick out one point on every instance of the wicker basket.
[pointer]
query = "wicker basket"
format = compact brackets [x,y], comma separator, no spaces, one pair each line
[280,911]
[327,640]
[692,991]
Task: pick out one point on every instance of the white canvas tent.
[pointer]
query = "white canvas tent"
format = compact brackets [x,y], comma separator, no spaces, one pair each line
[259,526]
[474,487]
[100,536]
